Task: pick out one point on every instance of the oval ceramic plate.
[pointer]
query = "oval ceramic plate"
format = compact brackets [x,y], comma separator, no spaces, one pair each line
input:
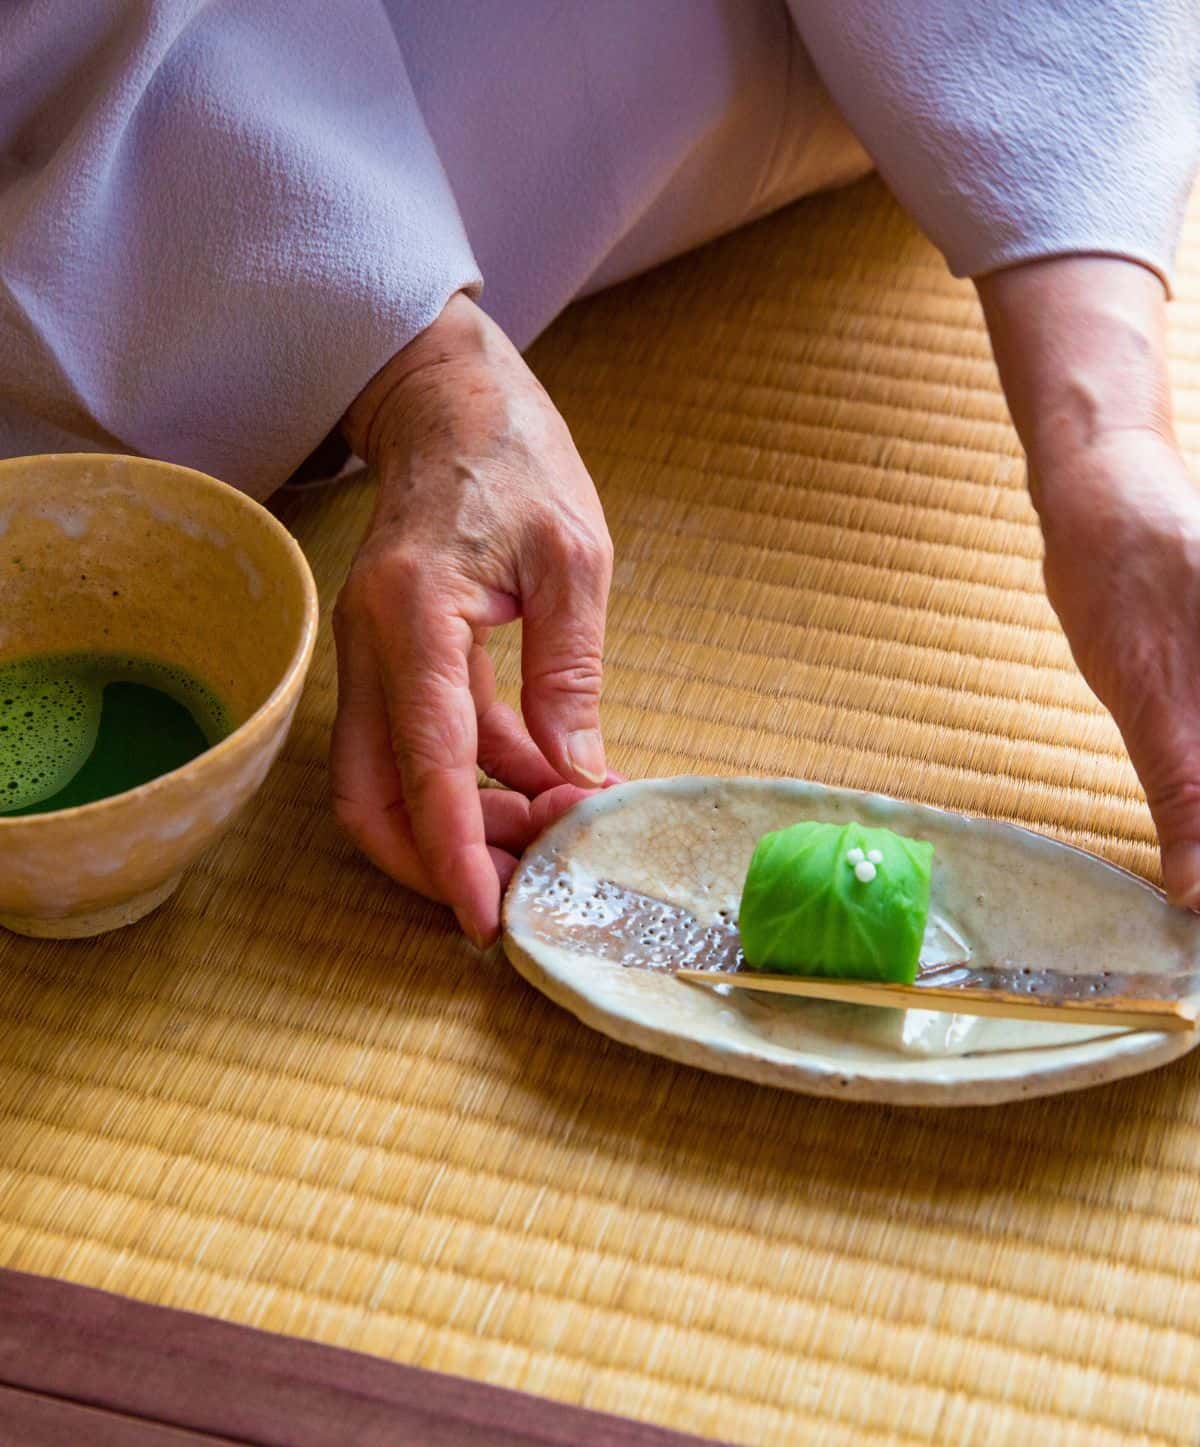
[646,877]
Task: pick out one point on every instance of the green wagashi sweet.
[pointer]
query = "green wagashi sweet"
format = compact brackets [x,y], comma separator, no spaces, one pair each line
[836,899]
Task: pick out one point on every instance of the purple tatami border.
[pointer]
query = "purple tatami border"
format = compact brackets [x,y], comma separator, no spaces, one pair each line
[79,1366]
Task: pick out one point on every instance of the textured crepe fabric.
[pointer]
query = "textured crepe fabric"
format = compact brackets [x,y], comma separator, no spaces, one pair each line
[218,218]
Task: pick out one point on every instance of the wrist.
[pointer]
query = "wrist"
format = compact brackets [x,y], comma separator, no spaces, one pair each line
[416,377]
[1080,346]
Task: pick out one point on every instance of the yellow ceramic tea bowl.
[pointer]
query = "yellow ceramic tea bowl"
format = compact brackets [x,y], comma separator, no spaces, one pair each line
[124,555]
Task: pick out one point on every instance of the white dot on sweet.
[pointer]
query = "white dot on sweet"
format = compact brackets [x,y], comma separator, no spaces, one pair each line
[855,856]
[864,870]
[875,856]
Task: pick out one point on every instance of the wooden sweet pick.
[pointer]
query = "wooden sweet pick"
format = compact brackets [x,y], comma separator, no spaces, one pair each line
[1119,1011]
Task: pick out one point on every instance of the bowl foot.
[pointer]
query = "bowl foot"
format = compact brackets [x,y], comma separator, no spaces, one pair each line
[98,922]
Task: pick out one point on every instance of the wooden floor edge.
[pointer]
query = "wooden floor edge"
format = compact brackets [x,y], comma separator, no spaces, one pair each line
[64,1346]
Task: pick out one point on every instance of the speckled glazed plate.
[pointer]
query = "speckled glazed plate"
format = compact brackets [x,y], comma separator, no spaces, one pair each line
[646,878]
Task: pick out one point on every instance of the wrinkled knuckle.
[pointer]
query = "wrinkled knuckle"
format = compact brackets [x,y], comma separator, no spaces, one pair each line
[582,675]
[412,748]
[381,586]
[428,747]
[398,568]
[582,555]
[1176,799]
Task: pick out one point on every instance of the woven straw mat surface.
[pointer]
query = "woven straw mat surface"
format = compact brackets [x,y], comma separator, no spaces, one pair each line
[295,1099]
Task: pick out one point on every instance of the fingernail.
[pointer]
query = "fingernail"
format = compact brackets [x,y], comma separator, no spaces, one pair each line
[585,754]
[468,928]
[1181,874]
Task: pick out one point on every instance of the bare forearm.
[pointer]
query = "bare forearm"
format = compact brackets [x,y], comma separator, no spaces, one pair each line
[1080,345]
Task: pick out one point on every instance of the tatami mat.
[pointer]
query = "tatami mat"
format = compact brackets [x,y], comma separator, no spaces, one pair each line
[295,1099]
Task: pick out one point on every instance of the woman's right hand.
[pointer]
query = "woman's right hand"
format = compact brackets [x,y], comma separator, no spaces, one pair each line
[485,513]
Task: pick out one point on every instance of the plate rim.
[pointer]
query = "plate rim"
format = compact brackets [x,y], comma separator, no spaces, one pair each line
[1129,1053]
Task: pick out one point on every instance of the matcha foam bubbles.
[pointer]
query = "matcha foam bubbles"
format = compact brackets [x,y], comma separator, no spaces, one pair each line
[48,728]
[81,727]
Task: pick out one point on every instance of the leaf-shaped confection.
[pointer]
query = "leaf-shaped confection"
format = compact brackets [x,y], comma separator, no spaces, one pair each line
[836,899]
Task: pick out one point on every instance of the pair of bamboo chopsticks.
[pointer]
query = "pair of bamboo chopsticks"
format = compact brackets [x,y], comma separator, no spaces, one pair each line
[1119,1011]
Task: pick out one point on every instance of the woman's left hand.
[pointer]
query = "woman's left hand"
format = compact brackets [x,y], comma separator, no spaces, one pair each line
[1121,521]
[1080,342]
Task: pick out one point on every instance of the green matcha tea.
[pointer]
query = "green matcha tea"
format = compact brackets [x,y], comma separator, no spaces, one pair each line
[80,727]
